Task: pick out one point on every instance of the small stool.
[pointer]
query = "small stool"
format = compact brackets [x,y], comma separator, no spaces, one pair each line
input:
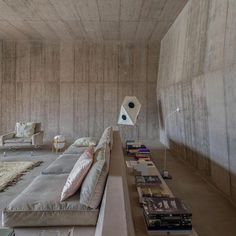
[59,143]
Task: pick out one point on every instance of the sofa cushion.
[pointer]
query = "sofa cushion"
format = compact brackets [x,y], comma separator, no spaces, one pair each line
[29,129]
[106,138]
[78,173]
[85,142]
[39,205]
[62,165]
[18,140]
[20,130]
[93,186]
[25,129]
[72,149]
[103,153]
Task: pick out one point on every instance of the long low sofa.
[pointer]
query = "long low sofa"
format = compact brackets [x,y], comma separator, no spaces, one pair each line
[39,204]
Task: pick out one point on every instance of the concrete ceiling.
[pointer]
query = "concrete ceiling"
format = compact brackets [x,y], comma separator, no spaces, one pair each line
[96,20]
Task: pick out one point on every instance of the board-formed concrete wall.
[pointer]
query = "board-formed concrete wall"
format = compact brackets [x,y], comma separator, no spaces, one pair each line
[197,72]
[76,88]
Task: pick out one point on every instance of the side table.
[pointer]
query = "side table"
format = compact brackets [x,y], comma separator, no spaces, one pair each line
[59,143]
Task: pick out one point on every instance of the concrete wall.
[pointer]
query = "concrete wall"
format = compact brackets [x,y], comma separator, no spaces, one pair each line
[197,72]
[76,89]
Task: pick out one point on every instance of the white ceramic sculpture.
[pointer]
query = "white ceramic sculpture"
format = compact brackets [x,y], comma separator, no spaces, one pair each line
[129,111]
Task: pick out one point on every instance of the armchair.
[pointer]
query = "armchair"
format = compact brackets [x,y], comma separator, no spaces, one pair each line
[10,139]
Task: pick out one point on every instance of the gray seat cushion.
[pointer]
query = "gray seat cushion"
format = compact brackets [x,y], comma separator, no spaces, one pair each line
[18,140]
[72,149]
[39,205]
[62,165]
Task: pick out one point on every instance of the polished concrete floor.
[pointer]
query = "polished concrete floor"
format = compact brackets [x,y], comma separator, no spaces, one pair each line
[213,214]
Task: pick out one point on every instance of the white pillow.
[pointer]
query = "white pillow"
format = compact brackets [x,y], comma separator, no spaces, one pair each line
[106,138]
[20,127]
[85,142]
[25,130]
[78,173]
[29,129]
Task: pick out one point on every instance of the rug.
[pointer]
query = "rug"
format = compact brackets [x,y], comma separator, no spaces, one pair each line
[10,172]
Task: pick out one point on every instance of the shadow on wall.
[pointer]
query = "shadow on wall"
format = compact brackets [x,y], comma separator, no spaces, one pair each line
[210,170]
[201,162]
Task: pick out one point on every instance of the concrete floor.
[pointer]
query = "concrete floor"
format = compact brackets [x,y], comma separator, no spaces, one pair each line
[213,215]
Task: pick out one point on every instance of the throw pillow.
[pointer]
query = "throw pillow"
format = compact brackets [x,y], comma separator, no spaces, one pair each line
[106,138]
[85,142]
[25,129]
[29,129]
[102,154]
[93,186]
[77,174]
[20,127]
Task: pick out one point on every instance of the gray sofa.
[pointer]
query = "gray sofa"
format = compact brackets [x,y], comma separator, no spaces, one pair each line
[39,204]
[9,140]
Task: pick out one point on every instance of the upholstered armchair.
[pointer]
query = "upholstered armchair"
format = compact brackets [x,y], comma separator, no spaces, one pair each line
[10,139]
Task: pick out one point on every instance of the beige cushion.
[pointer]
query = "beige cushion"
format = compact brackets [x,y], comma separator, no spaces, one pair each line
[93,186]
[78,173]
[39,205]
[85,142]
[29,129]
[20,127]
[17,140]
[25,130]
[106,138]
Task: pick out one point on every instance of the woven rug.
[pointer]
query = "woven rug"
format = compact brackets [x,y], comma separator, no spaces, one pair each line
[10,172]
